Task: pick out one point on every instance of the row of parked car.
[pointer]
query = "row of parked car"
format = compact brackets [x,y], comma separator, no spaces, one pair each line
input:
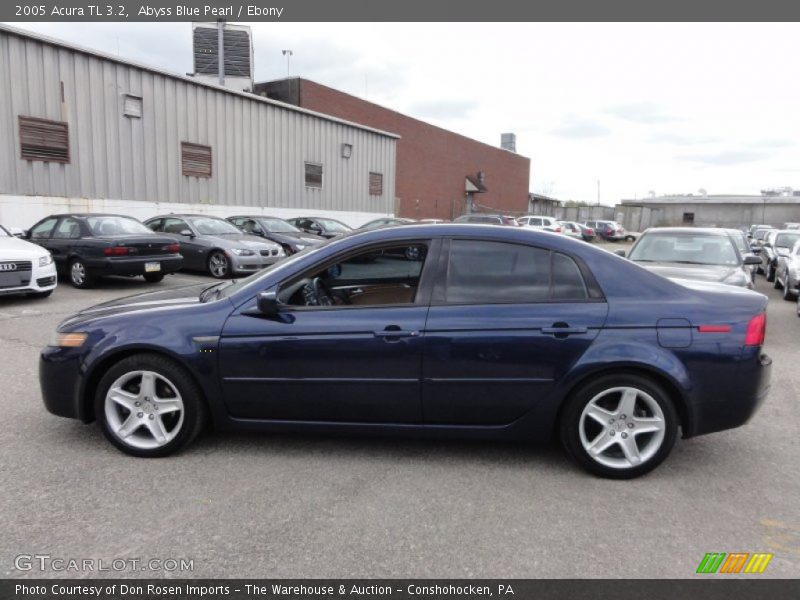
[779,257]
[588,231]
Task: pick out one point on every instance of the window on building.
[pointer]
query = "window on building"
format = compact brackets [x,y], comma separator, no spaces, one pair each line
[688,218]
[195,160]
[313,175]
[41,139]
[132,106]
[376,184]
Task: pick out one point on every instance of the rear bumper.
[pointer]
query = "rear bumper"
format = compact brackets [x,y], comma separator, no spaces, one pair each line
[169,263]
[739,401]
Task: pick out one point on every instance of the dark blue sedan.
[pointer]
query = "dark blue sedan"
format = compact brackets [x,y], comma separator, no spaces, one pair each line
[473,331]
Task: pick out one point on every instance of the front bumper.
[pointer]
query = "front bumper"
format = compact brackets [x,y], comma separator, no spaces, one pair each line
[61,382]
[250,264]
[42,279]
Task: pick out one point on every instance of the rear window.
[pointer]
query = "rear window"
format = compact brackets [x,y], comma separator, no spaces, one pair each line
[786,240]
[498,273]
[116,226]
[696,249]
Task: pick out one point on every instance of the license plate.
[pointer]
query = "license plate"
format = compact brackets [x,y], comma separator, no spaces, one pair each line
[152,267]
[10,279]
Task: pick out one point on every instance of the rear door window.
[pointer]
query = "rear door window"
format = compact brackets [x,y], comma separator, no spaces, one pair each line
[482,272]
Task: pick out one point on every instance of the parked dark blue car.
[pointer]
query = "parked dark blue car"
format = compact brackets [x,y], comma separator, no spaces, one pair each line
[439,330]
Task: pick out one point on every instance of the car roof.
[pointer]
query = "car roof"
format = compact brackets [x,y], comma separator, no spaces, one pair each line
[86,215]
[688,230]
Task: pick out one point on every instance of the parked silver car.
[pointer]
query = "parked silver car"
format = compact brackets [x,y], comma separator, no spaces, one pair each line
[777,243]
[693,253]
[214,245]
[787,272]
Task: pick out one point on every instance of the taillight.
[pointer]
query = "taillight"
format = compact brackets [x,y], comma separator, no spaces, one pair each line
[557,229]
[756,330]
[172,248]
[590,230]
[117,251]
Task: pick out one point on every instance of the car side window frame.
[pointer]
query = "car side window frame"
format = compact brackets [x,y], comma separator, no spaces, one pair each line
[427,276]
[439,296]
[61,221]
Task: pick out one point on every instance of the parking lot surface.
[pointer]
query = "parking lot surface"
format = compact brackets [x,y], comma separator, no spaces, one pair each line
[242,505]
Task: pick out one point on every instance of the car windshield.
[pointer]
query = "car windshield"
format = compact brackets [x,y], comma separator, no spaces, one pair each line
[741,243]
[276,225]
[786,240]
[212,226]
[331,225]
[691,248]
[105,225]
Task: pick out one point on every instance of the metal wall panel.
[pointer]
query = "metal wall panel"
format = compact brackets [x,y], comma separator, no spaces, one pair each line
[259,148]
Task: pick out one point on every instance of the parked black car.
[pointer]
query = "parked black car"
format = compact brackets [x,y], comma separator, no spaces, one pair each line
[385,222]
[322,226]
[88,246]
[277,230]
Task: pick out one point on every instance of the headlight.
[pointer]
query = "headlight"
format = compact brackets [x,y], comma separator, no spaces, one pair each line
[242,252]
[45,260]
[73,339]
[299,247]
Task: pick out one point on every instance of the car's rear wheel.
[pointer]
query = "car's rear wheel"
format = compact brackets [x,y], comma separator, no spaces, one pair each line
[770,273]
[149,406]
[619,426]
[218,265]
[788,294]
[79,275]
[153,277]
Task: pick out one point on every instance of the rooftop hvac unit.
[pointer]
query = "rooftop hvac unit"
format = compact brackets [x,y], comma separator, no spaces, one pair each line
[508,141]
[237,54]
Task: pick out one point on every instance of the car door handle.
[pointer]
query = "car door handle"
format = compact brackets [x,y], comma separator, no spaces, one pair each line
[394,333]
[563,330]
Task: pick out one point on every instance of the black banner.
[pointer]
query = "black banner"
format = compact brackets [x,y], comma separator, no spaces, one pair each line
[713,588]
[396,11]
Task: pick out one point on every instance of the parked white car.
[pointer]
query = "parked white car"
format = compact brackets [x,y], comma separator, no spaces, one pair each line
[540,223]
[25,268]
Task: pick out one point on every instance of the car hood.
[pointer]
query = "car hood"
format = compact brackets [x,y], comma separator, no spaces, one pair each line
[294,237]
[241,240]
[13,248]
[695,272]
[173,297]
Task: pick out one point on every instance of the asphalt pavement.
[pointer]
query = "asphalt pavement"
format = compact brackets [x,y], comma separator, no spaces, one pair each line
[301,506]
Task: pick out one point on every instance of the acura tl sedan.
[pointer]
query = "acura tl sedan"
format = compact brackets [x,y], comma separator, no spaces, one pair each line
[693,253]
[494,333]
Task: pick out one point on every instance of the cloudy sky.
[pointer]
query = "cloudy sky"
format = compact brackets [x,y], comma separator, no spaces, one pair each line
[670,108]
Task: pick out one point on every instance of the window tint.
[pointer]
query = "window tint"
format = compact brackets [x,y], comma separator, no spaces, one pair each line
[495,272]
[568,282]
[43,229]
[155,224]
[68,229]
[172,225]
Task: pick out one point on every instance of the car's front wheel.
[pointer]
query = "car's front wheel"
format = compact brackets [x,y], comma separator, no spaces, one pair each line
[619,426]
[788,294]
[771,273]
[218,265]
[149,406]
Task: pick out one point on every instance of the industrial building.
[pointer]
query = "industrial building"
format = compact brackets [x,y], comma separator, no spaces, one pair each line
[440,174]
[85,131]
[772,207]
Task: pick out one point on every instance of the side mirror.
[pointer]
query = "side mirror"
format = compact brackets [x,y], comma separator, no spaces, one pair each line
[755,249]
[268,303]
[752,259]
[187,233]
[17,232]
[620,253]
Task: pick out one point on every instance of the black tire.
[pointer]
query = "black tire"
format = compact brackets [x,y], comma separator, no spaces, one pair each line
[770,273]
[570,423]
[787,292]
[776,283]
[153,277]
[79,275]
[194,407]
[218,257]
[40,295]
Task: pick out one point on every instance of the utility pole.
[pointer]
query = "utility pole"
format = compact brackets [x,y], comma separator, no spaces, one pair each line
[598,192]
[221,50]
[288,54]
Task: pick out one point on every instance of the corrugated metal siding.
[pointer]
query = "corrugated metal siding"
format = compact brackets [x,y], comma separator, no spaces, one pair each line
[259,149]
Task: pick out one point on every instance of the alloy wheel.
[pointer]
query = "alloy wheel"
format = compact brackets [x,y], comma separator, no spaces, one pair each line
[218,265]
[78,273]
[622,427]
[144,410]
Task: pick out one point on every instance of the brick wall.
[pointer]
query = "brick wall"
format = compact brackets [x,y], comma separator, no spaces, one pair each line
[432,163]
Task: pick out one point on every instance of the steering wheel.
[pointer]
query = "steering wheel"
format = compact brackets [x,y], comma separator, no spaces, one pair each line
[319,294]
